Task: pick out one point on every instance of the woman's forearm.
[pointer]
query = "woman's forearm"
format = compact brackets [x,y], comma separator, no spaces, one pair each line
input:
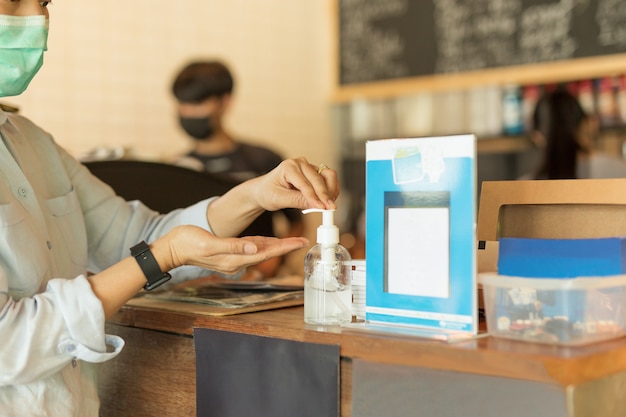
[119,283]
[231,213]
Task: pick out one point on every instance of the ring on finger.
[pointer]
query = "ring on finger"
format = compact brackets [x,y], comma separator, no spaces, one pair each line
[321,168]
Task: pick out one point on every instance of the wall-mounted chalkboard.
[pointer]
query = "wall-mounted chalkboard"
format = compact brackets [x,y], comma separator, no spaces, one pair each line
[393,39]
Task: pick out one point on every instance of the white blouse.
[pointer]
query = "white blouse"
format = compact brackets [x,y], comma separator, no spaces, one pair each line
[57,222]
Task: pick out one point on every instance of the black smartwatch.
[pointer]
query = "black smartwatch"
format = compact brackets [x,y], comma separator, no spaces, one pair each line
[149,266]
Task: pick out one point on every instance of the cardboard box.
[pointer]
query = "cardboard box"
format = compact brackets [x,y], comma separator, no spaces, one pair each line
[550,209]
[565,311]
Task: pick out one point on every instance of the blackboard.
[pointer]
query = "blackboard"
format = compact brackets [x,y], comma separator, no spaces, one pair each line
[393,39]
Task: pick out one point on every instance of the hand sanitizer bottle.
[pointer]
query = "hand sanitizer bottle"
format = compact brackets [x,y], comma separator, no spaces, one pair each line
[327,272]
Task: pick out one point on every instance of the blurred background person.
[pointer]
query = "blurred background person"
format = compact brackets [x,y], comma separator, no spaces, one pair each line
[566,136]
[204,91]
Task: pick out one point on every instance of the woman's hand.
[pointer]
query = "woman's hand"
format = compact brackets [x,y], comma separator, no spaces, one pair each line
[295,183]
[190,245]
[187,245]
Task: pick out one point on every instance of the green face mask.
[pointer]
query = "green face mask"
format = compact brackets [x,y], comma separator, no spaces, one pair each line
[23,39]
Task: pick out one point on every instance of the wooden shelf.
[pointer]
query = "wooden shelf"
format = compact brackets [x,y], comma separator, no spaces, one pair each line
[553,72]
[504,144]
[610,141]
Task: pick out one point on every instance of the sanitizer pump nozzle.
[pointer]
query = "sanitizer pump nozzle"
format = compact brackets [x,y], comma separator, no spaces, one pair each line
[327,276]
[327,233]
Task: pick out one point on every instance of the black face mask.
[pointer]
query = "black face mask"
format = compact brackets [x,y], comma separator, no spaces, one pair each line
[197,127]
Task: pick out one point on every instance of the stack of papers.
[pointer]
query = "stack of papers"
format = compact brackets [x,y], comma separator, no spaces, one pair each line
[236,294]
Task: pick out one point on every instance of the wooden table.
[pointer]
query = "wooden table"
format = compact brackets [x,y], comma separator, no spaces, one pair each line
[155,373]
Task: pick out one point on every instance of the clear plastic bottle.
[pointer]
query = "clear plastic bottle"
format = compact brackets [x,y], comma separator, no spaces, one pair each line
[512,119]
[327,277]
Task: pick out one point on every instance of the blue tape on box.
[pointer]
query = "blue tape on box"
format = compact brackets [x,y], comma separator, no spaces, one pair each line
[561,258]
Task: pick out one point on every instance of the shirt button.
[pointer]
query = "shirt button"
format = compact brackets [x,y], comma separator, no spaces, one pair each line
[22,191]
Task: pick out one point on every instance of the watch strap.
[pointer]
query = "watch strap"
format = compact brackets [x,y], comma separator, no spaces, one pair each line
[150,267]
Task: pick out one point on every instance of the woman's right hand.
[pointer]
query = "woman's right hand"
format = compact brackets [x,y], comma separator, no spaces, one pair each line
[295,183]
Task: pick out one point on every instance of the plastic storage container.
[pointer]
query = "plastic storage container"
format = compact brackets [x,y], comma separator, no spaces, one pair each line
[574,311]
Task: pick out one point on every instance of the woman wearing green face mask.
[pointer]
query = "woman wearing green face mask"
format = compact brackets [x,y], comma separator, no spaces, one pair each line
[57,222]
[23,41]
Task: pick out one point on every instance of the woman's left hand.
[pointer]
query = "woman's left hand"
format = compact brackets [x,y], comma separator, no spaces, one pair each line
[190,245]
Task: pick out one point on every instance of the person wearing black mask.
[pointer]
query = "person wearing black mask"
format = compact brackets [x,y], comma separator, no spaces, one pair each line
[203,91]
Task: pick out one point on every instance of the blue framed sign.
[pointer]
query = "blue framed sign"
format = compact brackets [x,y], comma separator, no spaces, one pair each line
[420,233]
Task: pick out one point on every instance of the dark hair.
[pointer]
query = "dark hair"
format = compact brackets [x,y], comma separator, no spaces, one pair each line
[558,116]
[200,80]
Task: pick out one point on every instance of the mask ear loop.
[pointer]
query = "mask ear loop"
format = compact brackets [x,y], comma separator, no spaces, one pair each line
[8,109]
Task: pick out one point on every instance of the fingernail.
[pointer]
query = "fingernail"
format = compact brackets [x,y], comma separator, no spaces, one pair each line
[249,248]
